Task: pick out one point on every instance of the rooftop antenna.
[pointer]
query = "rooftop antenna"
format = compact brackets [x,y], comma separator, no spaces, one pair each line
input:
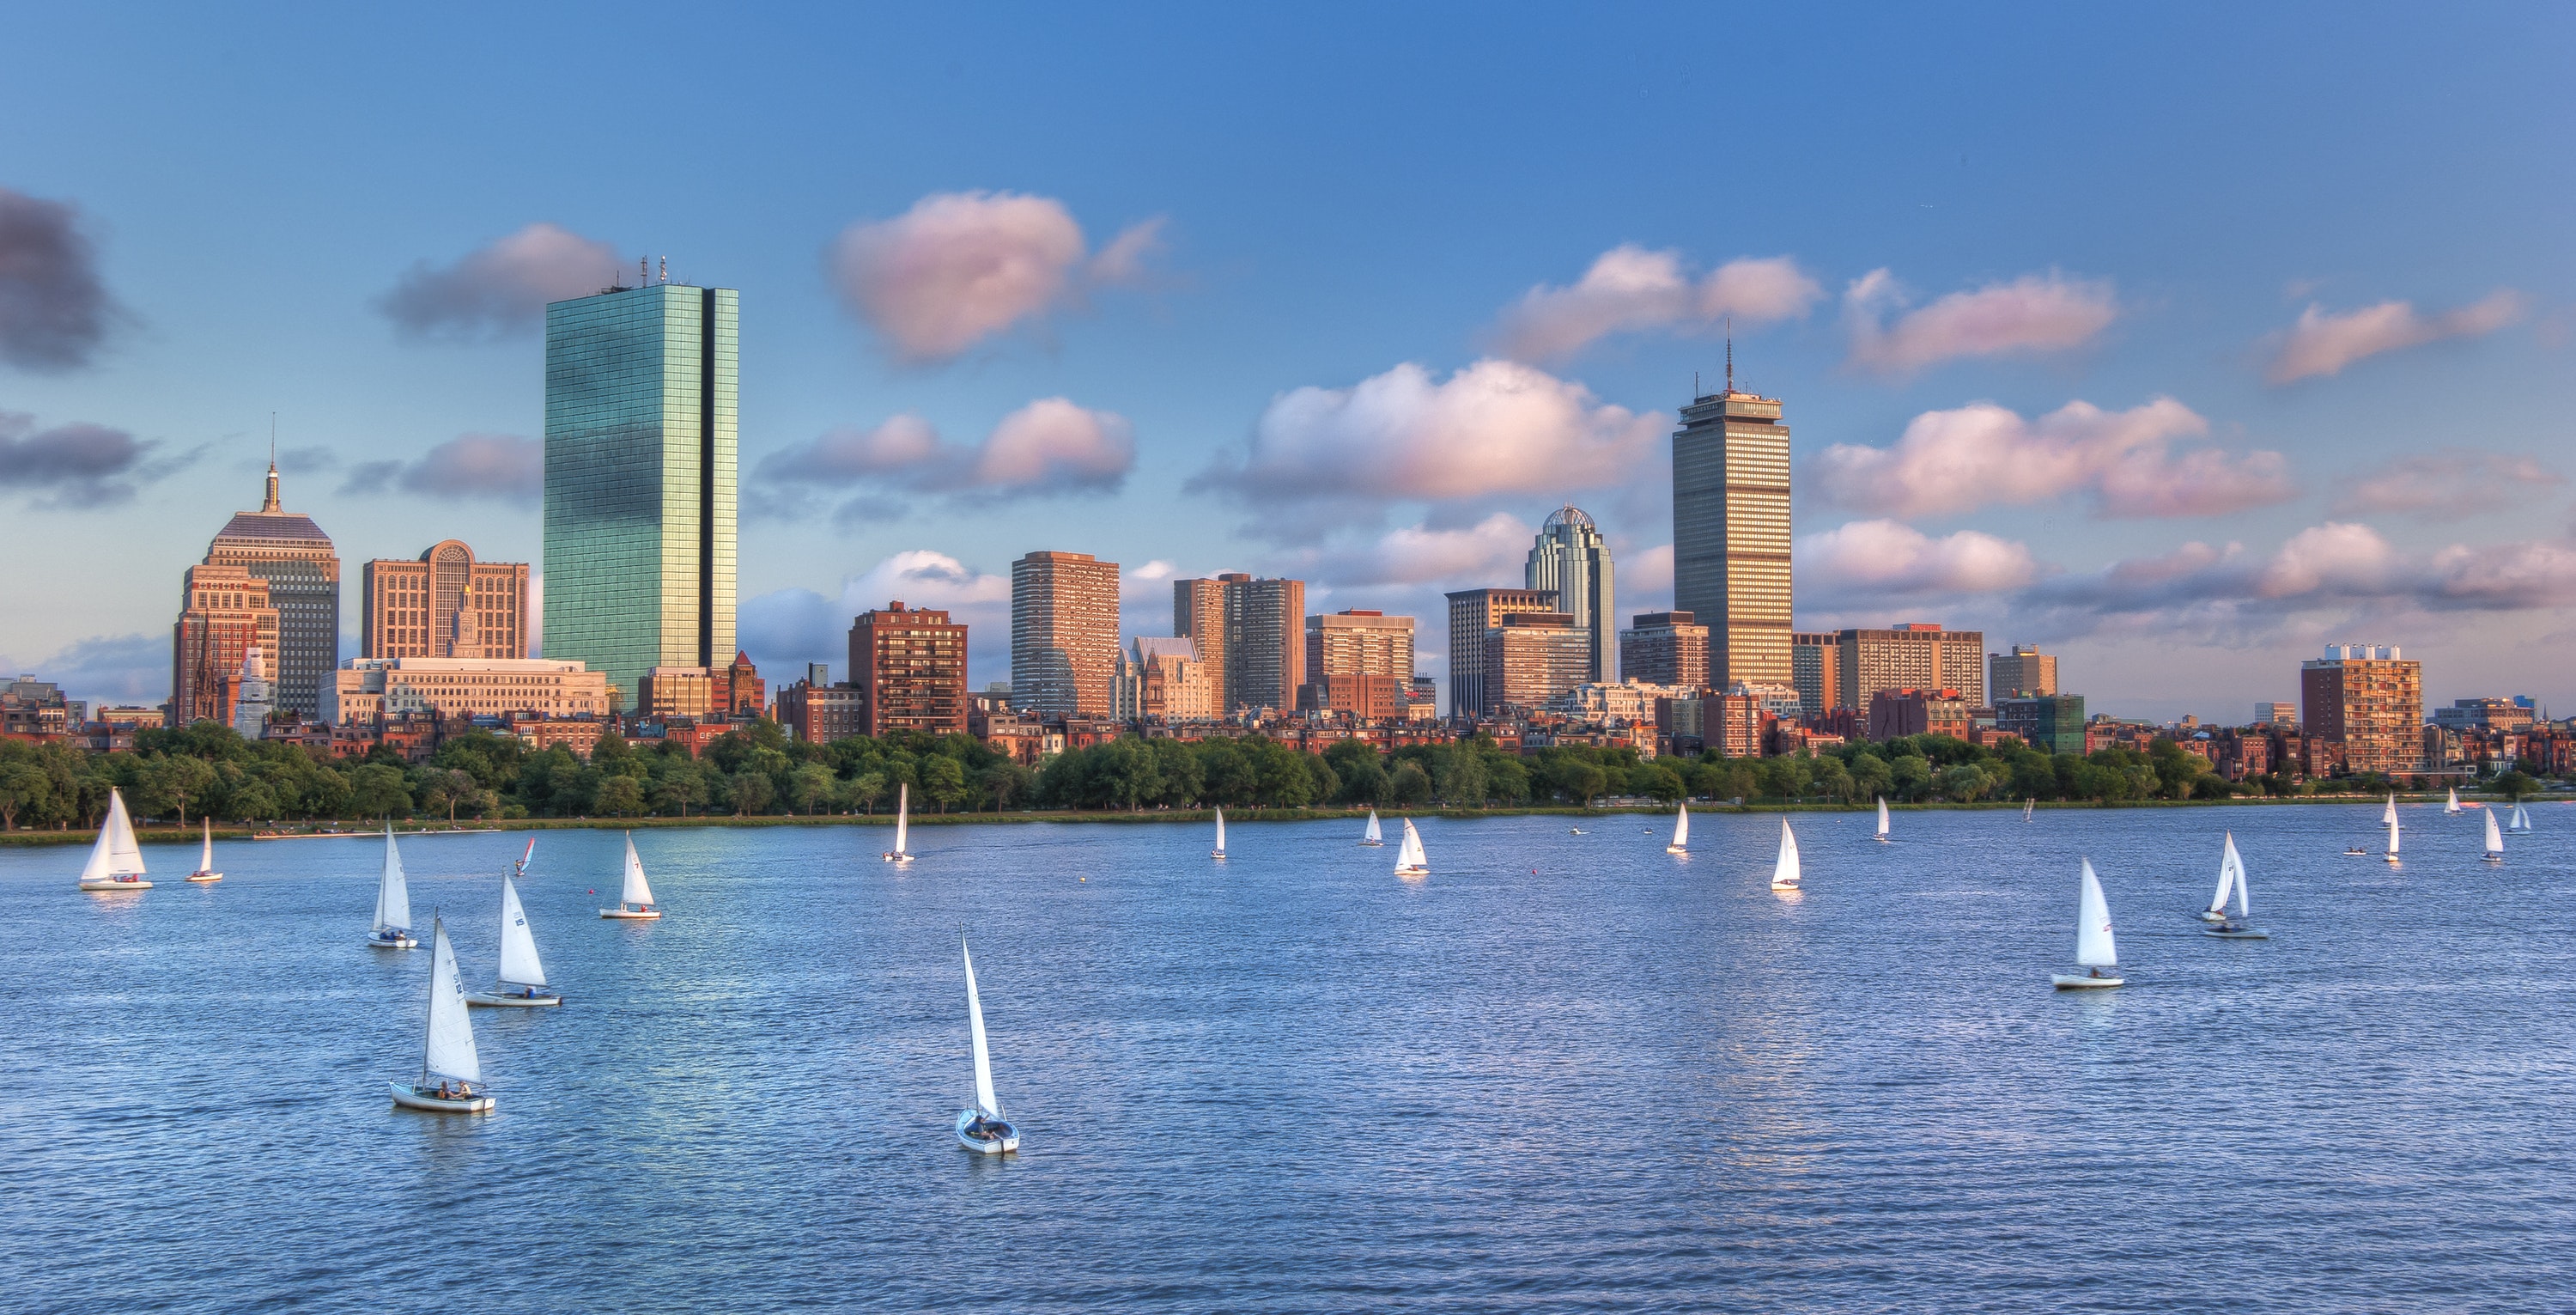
[643,271]
[1730,353]
[666,269]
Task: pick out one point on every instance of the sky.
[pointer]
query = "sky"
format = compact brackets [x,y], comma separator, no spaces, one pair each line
[2179,340]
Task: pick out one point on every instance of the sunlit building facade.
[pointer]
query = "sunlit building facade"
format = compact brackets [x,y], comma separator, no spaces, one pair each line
[1731,532]
[1572,560]
[302,570]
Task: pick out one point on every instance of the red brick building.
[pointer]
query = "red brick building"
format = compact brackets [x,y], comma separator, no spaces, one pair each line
[909,668]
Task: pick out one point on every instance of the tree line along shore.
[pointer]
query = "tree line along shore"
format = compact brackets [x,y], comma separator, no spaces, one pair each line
[759,776]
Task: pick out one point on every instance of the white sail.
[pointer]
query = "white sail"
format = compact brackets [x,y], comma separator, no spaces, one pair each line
[2495,838]
[2388,815]
[902,817]
[1372,834]
[1409,856]
[2027,805]
[1681,826]
[2454,805]
[1220,831]
[449,1050]
[985,1100]
[2521,819]
[519,963]
[124,856]
[1784,869]
[1882,818]
[635,892]
[102,851]
[206,851]
[2392,839]
[393,897]
[2093,945]
[2230,871]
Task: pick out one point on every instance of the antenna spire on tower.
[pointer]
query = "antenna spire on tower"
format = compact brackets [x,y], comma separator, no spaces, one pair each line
[1730,353]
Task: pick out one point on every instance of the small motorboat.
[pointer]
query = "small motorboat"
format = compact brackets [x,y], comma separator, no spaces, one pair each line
[980,1126]
[902,852]
[392,930]
[2356,851]
[205,873]
[1576,831]
[451,1076]
[115,860]
[635,898]
[2094,950]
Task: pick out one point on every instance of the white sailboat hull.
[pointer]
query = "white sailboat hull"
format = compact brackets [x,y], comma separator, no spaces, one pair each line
[1374,844]
[392,943]
[1676,849]
[1006,1143]
[413,1098]
[631,915]
[512,999]
[113,884]
[897,859]
[203,878]
[2080,982]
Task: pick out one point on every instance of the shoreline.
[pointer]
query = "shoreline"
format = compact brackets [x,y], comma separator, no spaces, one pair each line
[171,834]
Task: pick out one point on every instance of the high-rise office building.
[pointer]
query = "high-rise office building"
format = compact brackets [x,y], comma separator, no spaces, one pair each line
[1731,531]
[640,484]
[446,604]
[1531,657]
[1258,631]
[1064,635]
[1473,613]
[1572,560]
[1916,655]
[224,612]
[1815,669]
[1665,648]
[2050,723]
[302,569]
[909,666]
[2024,672]
[2362,706]
[1360,662]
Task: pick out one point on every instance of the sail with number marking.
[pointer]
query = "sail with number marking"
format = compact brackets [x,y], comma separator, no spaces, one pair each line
[636,892]
[449,1050]
[519,963]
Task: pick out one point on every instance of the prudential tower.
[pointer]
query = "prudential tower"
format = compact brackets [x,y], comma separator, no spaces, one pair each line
[1731,531]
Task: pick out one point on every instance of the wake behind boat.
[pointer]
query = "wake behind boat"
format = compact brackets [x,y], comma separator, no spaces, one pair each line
[451,1076]
[115,860]
[901,853]
[634,898]
[393,902]
[520,982]
[205,873]
[980,1126]
[2094,950]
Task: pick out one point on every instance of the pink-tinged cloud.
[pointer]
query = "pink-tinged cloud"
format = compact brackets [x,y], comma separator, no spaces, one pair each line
[790,627]
[1983,455]
[1050,446]
[1889,559]
[2323,344]
[960,267]
[1494,427]
[2451,482]
[502,467]
[1629,289]
[2034,314]
[1491,551]
[500,289]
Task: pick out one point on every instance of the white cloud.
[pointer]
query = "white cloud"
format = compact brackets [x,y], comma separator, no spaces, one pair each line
[1985,455]
[960,267]
[504,467]
[790,627]
[2032,314]
[499,289]
[1888,559]
[1050,446]
[2323,344]
[1491,551]
[1494,427]
[2452,482]
[1630,288]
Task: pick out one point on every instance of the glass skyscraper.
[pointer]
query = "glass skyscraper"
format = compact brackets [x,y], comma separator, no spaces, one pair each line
[640,484]
[1572,560]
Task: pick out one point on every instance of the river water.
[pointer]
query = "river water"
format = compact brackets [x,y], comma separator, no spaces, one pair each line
[1565,1072]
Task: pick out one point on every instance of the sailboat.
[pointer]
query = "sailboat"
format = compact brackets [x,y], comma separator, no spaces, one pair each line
[521,981]
[980,1126]
[1882,820]
[2392,844]
[1784,869]
[1409,859]
[2231,869]
[900,854]
[451,1077]
[1220,835]
[2231,874]
[2521,820]
[635,899]
[1372,837]
[2454,805]
[2094,950]
[2495,840]
[1681,830]
[205,872]
[393,902]
[2027,805]
[2388,815]
[116,861]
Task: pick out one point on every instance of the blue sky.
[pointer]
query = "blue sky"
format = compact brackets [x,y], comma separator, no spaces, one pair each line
[2132,211]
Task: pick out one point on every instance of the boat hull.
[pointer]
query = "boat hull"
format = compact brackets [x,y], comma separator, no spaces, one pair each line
[411,1098]
[1676,849]
[499,1000]
[397,943]
[2073,982]
[116,885]
[1784,885]
[204,878]
[1372,844]
[1005,1144]
[632,915]
[1413,872]
[897,859]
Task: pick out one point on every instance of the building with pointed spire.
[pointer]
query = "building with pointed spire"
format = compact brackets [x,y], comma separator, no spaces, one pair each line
[1572,561]
[300,573]
[1731,531]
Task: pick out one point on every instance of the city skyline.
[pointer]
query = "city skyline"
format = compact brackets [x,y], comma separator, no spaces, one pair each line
[2229,421]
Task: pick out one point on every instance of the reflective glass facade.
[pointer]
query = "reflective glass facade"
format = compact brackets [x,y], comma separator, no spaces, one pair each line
[641,436]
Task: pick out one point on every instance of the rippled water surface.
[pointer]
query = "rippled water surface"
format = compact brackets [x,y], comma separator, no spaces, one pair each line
[1564,1072]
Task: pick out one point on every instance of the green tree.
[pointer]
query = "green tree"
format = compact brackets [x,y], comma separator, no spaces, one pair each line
[944,779]
[23,787]
[868,788]
[1409,784]
[174,780]
[750,793]
[253,802]
[811,787]
[621,796]
[2515,784]
[376,790]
